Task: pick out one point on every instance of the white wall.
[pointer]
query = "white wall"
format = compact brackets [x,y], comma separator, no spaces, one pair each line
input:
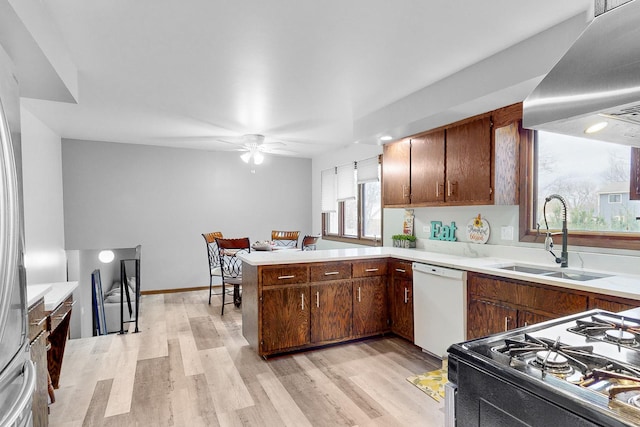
[45,257]
[122,195]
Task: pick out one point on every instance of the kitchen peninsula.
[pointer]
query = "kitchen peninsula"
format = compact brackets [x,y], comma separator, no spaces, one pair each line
[296,300]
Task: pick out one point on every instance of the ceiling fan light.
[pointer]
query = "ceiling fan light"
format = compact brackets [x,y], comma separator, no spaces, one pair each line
[246,157]
[258,158]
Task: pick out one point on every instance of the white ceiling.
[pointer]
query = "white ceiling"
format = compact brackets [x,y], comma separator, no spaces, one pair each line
[179,73]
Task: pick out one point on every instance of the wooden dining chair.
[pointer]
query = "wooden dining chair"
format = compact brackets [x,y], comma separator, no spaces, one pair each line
[231,267]
[309,243]
[214,259]
[285,238]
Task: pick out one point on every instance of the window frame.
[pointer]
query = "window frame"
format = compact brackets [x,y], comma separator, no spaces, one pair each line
[360,238]
[528,185]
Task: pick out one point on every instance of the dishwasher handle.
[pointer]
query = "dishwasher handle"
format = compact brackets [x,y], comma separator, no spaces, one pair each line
[435,270]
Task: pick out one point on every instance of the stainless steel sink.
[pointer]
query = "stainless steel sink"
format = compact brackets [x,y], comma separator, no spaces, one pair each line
[582,277]
[525,269]
[561,274]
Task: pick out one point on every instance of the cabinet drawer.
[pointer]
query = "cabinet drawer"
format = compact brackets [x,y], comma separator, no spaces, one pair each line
[401,269]
[330,271]
[59,313]
[285,275]
[37,319]
[374,267]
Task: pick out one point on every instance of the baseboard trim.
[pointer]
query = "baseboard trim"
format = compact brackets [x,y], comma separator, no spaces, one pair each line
[173,291]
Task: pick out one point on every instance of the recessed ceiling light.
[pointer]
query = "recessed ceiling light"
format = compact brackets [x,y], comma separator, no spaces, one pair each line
[106,257]
[596,127]
[386,138]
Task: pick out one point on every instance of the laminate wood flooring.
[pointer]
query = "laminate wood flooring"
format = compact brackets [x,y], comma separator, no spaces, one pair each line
[189,366]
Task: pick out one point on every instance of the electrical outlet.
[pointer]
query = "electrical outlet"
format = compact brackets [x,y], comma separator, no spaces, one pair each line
[506,233]
[426,229]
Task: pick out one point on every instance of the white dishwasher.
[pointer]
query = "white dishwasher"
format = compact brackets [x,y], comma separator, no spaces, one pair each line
[439,307]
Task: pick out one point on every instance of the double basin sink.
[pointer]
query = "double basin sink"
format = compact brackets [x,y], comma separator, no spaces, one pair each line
[561,274]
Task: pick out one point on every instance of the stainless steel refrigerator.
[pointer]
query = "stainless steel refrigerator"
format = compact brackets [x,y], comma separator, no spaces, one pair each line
[17,372]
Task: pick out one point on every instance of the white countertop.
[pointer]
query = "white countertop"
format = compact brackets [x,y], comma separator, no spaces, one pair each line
[35,292]
[54,293]
[622,285]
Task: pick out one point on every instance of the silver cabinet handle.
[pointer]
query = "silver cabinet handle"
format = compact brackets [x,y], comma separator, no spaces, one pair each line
[331,273]
[359,300]
[448,188]
[400,270]
[318,299]
[291,276]
[370,270]
[437,189]
[506,323]
[406,295]
[302,295]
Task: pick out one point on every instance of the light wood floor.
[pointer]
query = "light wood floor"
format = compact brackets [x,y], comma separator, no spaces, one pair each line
[191,367]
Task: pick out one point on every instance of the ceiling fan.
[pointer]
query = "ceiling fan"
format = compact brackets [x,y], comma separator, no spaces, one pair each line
[254,146]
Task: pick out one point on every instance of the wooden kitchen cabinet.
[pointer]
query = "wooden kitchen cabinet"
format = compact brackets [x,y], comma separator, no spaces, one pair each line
[396,173]
[285,318]
[613,304]
[38,351]
[427,168]
[370,312]
[468,160]
[497,304]
[471,162]
[331,311]
[297,306]
[486,318]
[401,299]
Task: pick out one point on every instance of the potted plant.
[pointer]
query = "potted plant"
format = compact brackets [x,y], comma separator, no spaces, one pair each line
[403,241]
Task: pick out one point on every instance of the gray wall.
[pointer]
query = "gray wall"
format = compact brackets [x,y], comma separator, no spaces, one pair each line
[122,195]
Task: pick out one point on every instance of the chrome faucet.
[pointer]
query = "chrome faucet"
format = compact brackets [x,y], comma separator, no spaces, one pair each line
[563,260]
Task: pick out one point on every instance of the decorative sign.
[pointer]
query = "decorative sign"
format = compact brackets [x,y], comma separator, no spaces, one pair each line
[407,226]
[443,232]
[478,230]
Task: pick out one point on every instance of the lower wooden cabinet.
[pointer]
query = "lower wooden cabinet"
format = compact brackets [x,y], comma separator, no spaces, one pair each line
[331,311]
[300,306]
[38,352]
[486,318]
[370,314]
[401,299]
[496,304]
[614,305]
[285,318]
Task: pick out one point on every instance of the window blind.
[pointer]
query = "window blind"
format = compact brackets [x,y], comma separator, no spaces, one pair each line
[328,190]
[346,188]
[368,170]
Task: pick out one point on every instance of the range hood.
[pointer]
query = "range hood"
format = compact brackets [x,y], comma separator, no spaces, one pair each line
[597,80]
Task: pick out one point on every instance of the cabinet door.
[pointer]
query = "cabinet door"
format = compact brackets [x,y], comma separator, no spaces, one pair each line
[468,162]
[396,173]
[39,405]
[427,168]
[402,308]
[369,306]
[331,311]
[486,318]
[526,318]
[613,306]
[285,317]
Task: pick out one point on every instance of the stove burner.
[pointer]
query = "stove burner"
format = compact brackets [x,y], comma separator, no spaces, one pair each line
[609,328]
[552,362]
[619,336]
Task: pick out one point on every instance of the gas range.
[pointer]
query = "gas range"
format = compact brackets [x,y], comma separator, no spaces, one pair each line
[586,364]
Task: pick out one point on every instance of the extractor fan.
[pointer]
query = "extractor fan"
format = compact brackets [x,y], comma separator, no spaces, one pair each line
[254,146]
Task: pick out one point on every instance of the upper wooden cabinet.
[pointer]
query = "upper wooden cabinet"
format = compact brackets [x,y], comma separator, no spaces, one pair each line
[471,162]
[468,162]
[396,173]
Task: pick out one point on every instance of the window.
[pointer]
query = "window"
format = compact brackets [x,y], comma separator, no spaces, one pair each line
[357,219]
[594,179]
[615,198]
